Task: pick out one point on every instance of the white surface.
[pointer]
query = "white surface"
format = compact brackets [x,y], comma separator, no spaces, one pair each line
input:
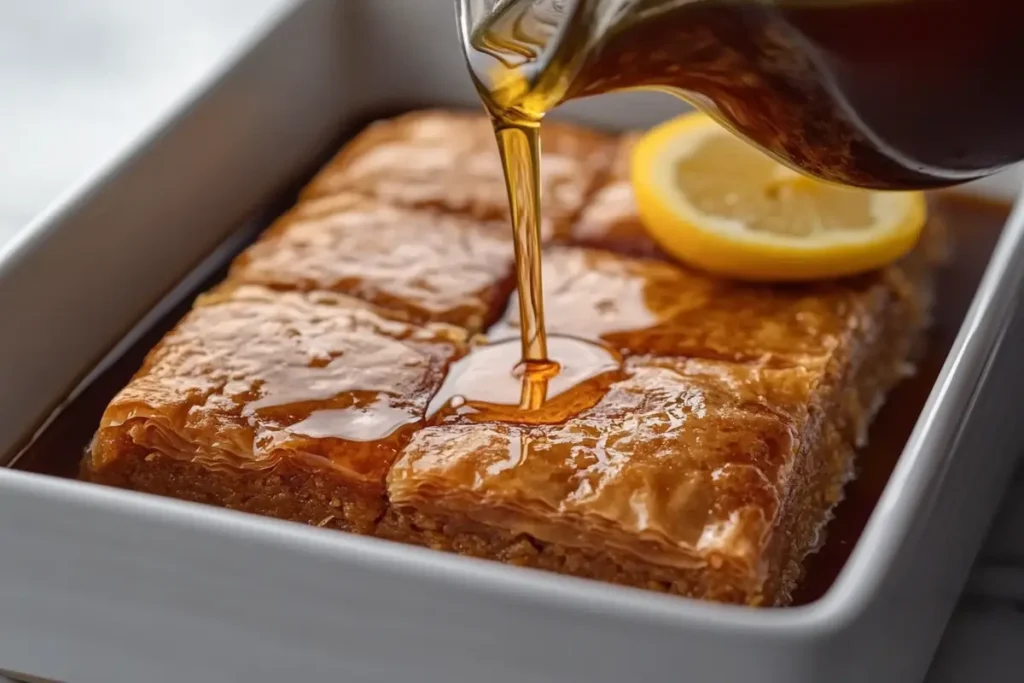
[81,78]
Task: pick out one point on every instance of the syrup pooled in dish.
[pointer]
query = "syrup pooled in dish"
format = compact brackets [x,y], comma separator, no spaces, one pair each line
[685,434]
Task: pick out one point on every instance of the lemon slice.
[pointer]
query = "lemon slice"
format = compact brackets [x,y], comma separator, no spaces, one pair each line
[716,203]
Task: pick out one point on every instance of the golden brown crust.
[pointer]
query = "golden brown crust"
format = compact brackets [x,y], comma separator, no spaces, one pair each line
[448,161]
[253,380]
[821,473]
[679,466]
[762,450]
[817,359]
[289,490]
[427,266]
[707,469]
[646,306]
[434,529]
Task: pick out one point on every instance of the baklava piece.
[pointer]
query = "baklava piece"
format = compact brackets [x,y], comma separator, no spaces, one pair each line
[692,477]
[285,404]
[713,468]
[448,161]
[422,265]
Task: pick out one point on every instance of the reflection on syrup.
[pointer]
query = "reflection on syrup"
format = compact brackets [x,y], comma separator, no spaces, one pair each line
[595,294]
[491,384]
[252,374]
[373,422]
[330,397]
[651,307]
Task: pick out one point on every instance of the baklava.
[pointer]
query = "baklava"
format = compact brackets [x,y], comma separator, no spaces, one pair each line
[706,464]
[448,161]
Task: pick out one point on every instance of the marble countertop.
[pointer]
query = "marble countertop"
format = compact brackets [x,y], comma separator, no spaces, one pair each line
[81,78]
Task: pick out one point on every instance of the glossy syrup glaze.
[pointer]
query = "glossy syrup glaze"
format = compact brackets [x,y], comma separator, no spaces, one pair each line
[446,161]
[648,306]
[491,384]
[428,266]
[252,376]
[449,161]
[676,462]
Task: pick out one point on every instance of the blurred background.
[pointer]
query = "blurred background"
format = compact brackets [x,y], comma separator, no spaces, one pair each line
[80,79]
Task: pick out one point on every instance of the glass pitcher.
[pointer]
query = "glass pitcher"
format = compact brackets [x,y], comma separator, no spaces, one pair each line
[891,94]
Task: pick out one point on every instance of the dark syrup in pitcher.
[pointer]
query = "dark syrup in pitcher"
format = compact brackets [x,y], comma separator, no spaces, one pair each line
[893,94]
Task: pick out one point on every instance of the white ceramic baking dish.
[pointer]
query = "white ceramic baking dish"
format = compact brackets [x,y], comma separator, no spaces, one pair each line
[106,586]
